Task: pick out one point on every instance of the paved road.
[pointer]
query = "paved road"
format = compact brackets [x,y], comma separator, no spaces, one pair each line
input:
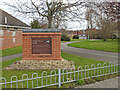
[110,83]
[5,58]
[93,54]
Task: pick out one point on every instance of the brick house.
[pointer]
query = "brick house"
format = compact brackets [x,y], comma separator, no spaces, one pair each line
[71,33]
[10,30]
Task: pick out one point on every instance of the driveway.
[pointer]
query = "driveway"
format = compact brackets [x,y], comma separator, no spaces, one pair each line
[93,54]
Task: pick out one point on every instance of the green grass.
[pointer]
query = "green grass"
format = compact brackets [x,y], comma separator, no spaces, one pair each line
[11,51]
[74,40]
[78,61]
[108,45]
[15,50]
[6,63]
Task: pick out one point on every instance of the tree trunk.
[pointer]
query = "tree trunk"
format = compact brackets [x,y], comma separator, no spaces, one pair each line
[104,35]
[50,22]
[104,39]
[112,36]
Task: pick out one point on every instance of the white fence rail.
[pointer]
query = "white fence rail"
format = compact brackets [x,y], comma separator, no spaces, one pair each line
[60,77]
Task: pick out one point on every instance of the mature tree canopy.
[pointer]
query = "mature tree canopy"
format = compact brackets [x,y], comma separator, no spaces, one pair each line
[51,11]
[104,16]
[55,13]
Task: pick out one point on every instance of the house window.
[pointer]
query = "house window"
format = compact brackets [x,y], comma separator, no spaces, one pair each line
[83,35]
[13,33]
[1,32]
[79,35]
[13,40]
[5,20]
[1,41]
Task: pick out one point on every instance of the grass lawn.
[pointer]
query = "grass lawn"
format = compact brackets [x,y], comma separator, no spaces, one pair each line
[108,45]
[15,50]
[78,61]
[11,51]
[75,40]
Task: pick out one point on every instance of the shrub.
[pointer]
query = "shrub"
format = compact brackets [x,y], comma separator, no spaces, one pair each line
[80,82]
[65,38]
[76,37]
[91,80]
[98,79]
[114,37]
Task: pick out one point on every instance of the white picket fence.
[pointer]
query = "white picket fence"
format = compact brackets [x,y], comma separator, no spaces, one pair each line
[61,76]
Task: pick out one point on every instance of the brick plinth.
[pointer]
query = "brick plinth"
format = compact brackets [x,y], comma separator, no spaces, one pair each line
[55,46]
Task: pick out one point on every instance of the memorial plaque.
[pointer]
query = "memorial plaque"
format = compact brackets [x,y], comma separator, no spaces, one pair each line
[41,46]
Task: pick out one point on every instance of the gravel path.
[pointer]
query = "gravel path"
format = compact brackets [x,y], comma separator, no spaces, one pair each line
[110,83]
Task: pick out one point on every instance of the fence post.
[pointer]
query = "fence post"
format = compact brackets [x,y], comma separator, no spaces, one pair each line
[59,78]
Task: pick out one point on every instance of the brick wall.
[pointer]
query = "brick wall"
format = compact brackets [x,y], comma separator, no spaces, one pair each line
[10,38]
[56,46]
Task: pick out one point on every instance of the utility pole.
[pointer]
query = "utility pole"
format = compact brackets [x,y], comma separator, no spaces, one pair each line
[88,31]
[88,24]
[88,20]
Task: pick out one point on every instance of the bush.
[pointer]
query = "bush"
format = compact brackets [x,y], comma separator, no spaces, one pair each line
[65,38]
[98,79]
[80,82]
[114,37]
[91,80]
[76,37]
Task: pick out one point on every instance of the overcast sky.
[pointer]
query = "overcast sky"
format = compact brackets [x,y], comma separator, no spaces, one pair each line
[70,25]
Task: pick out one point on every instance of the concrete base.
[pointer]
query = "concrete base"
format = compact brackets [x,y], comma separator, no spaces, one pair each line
[41,65]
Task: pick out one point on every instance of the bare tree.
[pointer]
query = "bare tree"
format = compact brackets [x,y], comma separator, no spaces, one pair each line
[90,16]
[107,17]
[50,10]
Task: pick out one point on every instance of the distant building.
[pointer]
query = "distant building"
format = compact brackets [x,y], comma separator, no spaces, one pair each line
[71,33]
[92,33]
[82,34]
[10,30]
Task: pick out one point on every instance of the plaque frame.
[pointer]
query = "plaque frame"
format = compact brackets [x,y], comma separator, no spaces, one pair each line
[41,54]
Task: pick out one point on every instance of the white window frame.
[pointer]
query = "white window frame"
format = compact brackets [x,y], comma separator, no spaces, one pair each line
[6,20]
[13,33]
[1,32]
[1,41]
[13,40]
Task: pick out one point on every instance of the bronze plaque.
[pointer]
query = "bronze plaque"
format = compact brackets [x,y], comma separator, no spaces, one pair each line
[41,46]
